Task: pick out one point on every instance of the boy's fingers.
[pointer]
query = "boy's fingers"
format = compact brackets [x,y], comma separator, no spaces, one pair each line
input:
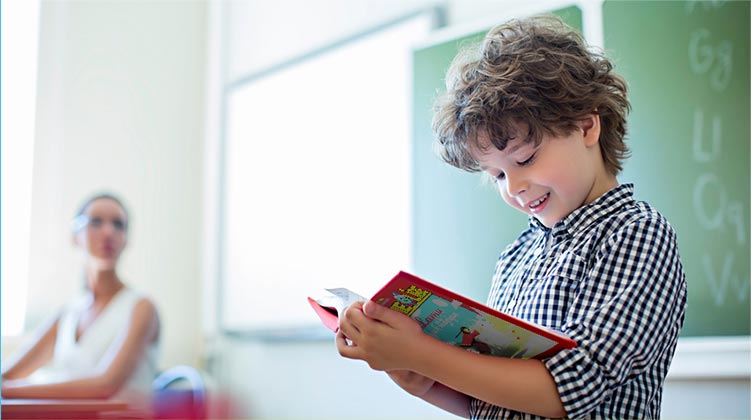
[375,311]
[352,320]
[345,346]
[347,328]
[357,304]
[352,316]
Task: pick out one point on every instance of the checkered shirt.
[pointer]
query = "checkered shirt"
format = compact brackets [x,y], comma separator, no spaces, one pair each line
[609,276]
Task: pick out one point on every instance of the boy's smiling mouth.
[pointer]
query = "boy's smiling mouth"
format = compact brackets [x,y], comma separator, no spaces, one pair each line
[537,205]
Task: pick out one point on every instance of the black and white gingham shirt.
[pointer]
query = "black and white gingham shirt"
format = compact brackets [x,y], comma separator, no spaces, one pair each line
[610,277]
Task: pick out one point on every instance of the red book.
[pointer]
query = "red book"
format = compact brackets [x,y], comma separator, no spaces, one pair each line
[451,318]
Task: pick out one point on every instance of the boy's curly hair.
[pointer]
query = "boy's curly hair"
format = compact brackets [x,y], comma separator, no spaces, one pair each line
[536,73]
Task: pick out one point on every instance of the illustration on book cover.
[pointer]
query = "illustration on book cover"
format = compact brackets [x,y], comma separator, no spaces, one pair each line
[452,322]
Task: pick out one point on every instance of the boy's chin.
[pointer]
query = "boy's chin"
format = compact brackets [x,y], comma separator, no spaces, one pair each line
[548,222]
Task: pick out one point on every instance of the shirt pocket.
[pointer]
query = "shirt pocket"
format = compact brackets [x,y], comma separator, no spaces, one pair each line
[549,294]
[570,266]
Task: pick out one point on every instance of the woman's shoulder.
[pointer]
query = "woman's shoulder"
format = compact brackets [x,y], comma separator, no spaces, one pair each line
[143,310]
[134,304]
[135,297]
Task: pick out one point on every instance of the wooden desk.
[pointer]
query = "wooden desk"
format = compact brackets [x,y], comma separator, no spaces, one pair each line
[13,408]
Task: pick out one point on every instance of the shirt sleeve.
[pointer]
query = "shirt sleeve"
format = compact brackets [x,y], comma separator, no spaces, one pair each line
[629,308]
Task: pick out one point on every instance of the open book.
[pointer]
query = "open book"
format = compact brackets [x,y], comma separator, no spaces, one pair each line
[451,318]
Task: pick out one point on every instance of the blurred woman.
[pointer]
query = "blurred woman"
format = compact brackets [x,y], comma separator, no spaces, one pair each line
[102,344]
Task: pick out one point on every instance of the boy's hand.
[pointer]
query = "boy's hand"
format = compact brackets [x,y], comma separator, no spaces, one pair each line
[383,338]
[412,382]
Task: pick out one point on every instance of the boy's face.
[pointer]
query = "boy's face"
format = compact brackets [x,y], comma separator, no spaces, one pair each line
[551,180]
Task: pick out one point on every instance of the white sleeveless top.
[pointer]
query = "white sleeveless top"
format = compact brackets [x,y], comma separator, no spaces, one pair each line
[99,344]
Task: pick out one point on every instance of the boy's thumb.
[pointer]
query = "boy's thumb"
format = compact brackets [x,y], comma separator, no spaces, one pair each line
[383,314]
[373,310]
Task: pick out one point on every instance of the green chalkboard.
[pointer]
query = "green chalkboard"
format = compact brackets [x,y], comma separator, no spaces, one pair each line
[460,224]
[687,65]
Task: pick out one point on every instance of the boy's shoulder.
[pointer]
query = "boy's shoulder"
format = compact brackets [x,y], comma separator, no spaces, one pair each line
[617,212]
[635,214]
[610,219]
[613,211]
[637,225]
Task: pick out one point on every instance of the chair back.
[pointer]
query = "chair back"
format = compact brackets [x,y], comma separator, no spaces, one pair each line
[172,400]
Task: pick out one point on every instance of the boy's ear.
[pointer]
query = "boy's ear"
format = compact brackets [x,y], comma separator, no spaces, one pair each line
[590,127]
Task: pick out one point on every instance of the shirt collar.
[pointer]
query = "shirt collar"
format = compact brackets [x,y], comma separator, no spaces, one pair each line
[582,217]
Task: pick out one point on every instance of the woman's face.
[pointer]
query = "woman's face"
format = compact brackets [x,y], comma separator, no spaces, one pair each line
[104,232]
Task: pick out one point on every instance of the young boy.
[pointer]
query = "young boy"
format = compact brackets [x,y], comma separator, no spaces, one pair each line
[545,117]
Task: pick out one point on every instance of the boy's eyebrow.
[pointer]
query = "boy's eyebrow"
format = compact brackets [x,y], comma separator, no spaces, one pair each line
[516,147]
[512,149]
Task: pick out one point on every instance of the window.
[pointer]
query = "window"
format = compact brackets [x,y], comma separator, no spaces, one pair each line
[20,25]
[317,179]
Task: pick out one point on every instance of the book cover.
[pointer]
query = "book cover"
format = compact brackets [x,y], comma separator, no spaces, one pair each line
[451,318]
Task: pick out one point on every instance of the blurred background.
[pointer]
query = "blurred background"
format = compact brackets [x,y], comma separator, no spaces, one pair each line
[267,150]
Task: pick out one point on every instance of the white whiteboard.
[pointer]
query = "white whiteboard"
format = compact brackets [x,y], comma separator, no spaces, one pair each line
[317,183]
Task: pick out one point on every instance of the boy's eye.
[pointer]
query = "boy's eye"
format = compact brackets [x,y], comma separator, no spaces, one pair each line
[501,176]
[528,160]
[118,224]
[95,222]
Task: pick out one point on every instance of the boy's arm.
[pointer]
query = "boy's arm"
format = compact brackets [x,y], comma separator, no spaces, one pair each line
[625,319]
[388,340]
[431,391]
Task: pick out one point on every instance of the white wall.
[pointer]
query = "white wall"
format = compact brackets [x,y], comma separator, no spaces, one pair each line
[310,381]
[120,108]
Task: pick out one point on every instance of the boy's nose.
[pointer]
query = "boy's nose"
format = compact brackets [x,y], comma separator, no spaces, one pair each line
[515,185]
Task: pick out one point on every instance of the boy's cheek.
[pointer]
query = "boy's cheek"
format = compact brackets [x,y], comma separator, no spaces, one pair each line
[511,202]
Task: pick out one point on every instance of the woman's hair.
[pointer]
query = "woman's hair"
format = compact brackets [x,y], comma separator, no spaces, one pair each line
[534,74]
[79,220]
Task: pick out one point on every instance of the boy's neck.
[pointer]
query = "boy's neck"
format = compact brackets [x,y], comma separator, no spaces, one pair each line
[602,184]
